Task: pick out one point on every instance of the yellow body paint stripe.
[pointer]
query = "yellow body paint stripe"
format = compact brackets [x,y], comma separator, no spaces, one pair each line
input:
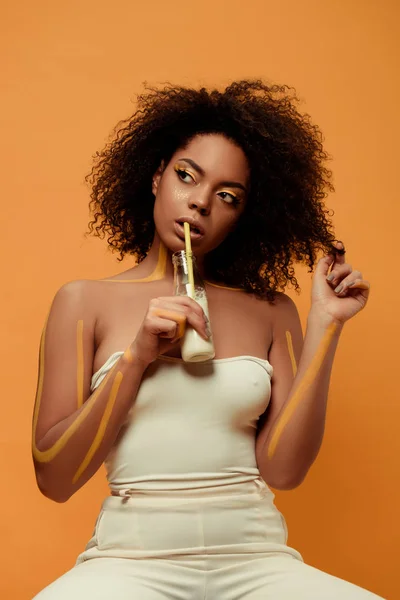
[224,287]
[128,354]
[102,427]
[80,367]
[79,377]
[40,381]
[173,316]
[291,352]
[48,455]
[158,273]
[305,383]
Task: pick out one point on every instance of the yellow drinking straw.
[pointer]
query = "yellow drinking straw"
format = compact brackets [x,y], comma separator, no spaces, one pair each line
[189,255]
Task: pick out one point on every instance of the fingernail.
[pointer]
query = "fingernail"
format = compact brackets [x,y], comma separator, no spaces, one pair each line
[208,330]
[330,277]
[339,289]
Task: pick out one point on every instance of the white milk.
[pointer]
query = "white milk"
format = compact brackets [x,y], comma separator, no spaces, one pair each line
[194,348]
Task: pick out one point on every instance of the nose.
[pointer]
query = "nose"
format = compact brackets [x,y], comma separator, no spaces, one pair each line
[200,202]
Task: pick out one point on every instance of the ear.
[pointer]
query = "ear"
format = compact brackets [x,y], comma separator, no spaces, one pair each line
[157,177]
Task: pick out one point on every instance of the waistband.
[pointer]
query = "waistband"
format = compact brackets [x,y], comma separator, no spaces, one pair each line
[256,485]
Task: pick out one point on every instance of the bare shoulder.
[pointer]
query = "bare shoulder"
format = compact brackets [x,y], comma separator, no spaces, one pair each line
[70,293]
[284,303]
[77,295]
[76,290]
[286,317]
[283,312]
[281,308]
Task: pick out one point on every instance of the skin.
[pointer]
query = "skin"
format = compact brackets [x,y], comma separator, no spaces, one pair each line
[181,187]
[193,184]
[291,352]
[80,367]
[304,385]
[76,433]
[51,453]
[160,273]
[156,275]
[116,377]
[326,342]
[102,427]
[292,441]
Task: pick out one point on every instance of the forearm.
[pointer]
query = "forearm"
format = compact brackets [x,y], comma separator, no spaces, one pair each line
[295,437]
[73,449]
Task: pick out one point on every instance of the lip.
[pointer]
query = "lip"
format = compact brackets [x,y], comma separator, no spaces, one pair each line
[195,235]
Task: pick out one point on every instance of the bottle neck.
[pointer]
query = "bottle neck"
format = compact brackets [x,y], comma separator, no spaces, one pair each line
[160,258]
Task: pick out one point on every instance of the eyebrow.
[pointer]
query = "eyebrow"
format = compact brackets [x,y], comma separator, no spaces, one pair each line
[197,168]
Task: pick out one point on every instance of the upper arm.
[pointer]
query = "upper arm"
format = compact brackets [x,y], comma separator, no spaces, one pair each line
[65,358]
[284,356]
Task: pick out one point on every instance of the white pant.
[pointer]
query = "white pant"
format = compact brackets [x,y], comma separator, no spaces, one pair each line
[225,544]
[271,577]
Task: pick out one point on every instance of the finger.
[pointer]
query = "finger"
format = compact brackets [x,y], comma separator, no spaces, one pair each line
[162,327]
[193,312]
[197,321]
[180,301]
[200,324]
[334,258]
[339,252]
[350,284]
[341,272]
[172,308]
[172,315]
[362,284]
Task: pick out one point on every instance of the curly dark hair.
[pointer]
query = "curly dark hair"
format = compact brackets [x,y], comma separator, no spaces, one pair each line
[285,219]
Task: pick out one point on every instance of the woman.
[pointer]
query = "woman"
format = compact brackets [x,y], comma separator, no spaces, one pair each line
[191,449]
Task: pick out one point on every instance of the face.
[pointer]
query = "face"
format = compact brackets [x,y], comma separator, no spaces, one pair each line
[206,183]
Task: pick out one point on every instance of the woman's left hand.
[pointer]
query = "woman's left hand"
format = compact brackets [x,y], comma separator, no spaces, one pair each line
[327,297]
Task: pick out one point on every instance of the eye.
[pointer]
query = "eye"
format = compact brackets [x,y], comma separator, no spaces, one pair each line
[184,175]
[229,198]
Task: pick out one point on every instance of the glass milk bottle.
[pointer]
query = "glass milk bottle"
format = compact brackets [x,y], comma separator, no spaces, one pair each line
[194,348]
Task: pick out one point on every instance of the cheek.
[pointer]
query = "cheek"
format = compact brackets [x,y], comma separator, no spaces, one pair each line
[169,204]
[169,196]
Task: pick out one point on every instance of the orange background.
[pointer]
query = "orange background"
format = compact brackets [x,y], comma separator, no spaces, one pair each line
[70,71]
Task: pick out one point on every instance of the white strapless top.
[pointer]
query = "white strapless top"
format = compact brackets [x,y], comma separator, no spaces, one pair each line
[191,424]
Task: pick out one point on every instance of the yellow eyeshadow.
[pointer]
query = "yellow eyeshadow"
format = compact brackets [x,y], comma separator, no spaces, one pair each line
[178,168]
[229,193]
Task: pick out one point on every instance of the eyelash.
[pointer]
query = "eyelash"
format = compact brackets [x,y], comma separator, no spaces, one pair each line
[234,199]
[181,172]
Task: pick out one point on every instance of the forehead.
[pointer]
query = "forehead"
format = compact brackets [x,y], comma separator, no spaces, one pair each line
[217,156]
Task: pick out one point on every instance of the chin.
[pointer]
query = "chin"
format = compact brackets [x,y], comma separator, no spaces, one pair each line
[174,244]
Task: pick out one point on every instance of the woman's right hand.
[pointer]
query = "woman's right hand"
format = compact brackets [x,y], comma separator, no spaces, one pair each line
[165,323]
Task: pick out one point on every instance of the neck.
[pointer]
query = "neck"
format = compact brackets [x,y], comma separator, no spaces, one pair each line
[158,261]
